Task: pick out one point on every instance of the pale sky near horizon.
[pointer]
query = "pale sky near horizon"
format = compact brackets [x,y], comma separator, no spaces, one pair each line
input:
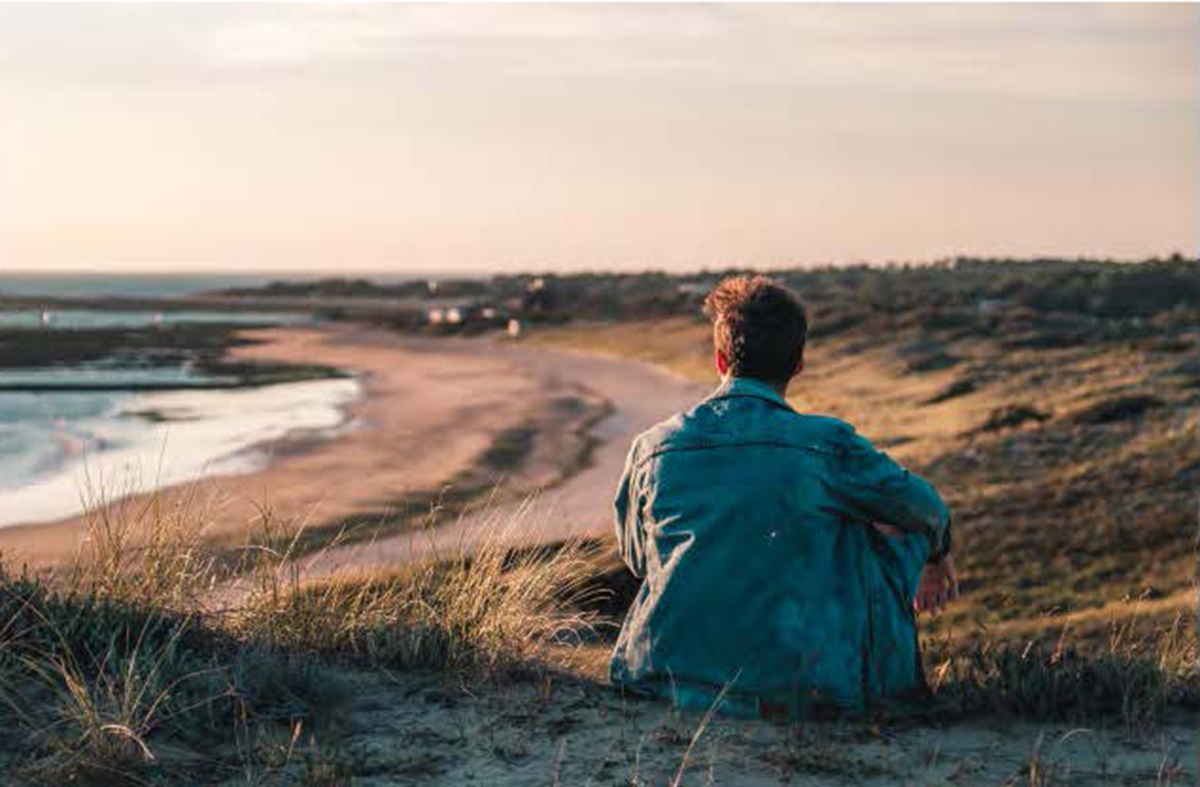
[503,137]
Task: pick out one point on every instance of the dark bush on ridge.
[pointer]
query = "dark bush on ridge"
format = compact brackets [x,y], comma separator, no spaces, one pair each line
[1118,408]
[1038,302]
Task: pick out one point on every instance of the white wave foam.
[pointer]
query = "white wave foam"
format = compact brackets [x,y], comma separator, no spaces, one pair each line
[209,433]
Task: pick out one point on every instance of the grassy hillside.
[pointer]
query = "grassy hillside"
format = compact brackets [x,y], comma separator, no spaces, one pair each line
[1070,470]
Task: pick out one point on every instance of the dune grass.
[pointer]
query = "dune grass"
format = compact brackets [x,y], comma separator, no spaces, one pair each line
[119,671]
[1135,678]
[483,610]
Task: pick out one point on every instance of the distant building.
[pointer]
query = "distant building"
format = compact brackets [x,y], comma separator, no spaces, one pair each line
[537,298]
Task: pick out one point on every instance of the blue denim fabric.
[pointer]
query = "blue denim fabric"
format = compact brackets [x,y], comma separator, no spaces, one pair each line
[749,524]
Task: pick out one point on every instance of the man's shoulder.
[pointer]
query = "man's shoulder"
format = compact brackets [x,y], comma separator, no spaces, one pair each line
[660,434]
[820,432]
[699,427]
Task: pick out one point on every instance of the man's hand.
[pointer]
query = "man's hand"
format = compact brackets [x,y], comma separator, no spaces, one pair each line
[939,586]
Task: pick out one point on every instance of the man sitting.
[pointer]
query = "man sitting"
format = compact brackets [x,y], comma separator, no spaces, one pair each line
[780,552]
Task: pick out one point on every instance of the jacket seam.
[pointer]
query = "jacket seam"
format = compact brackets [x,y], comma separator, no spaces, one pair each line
[709,446]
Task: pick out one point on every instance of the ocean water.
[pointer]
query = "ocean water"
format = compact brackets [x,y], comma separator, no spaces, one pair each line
[165,285]
[99,447]
[65,319]
[130,285]
[61,449]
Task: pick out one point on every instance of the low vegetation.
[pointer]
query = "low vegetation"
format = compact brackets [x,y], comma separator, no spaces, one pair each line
[1040,303]
[487,612]
[121,671]
[1136,678]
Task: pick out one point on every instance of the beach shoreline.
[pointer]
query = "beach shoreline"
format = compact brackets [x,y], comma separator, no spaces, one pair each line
[176,436]
[435,416]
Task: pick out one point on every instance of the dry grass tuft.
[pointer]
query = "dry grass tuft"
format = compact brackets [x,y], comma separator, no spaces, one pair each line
[485,609]
[1136,678]
[146,551]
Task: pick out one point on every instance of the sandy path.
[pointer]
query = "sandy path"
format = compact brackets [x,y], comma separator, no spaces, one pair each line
[639,394]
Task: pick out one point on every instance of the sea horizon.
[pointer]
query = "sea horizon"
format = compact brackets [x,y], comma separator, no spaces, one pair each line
[131,284]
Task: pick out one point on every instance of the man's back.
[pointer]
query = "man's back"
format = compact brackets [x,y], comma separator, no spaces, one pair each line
[751,525]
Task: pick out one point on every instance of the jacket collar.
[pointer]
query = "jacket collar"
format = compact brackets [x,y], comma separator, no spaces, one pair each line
[747,386]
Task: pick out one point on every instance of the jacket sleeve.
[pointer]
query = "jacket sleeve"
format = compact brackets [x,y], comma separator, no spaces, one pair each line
[873,487]
[630,538]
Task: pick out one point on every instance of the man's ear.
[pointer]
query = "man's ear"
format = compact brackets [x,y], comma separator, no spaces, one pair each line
[722,363]
[799,367]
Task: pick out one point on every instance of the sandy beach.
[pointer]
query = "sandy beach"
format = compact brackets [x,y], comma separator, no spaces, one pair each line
[434,416]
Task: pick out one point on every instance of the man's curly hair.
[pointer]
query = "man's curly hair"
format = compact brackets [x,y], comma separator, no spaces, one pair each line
[759,326]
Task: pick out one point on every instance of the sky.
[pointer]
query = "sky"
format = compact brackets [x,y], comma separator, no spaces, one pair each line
[414,137]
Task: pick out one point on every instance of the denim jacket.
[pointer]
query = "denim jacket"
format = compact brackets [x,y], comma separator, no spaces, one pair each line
[749,524]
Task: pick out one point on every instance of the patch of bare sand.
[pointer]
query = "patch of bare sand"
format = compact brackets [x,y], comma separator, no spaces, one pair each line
[405,730]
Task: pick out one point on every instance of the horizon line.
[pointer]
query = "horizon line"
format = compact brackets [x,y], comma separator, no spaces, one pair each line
[617,269]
